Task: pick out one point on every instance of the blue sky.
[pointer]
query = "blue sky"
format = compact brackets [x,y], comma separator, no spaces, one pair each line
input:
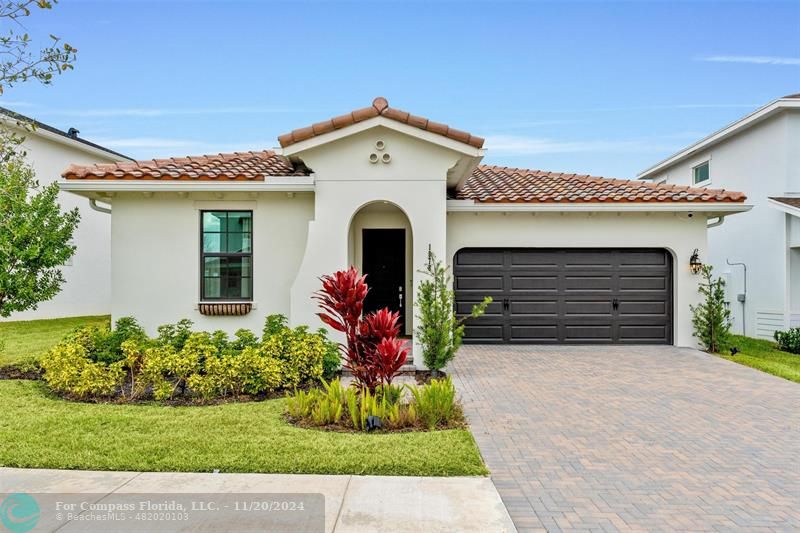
[598,87]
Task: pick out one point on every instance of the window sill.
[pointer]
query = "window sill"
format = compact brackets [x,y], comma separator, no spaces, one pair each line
[702,184]
[225,308]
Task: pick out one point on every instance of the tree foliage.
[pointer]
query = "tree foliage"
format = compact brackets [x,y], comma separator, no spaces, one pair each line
[712,318]
[20,61]
[440,332]
[35,237]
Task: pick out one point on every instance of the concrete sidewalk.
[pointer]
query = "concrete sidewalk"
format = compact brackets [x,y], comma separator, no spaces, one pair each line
[352,503]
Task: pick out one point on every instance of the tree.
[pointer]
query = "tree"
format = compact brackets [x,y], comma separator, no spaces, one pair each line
[439,331]
[712,318]
[18,63]
[35,237]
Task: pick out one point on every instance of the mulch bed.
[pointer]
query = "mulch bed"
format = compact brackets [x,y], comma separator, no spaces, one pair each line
[13,372]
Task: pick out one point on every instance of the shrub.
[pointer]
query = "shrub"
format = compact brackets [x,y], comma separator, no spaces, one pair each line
[175,334]
[332,358]
[68,369]
[372,353]
[108,343]
[712,318]
[435,402]
[788,341]
[439,331]
[249,372]
[301,353]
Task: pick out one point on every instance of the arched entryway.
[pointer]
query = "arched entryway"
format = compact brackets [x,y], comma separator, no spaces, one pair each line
[380,245]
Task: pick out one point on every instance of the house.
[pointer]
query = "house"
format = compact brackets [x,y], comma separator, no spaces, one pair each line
[226,239]
[87,287]
[757,254]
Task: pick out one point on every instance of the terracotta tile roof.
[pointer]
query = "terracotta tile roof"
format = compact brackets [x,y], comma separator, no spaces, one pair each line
[503,184]
[379,107]
[236,166]
[791,201]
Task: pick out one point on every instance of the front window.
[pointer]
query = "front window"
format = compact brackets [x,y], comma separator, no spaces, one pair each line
[226,255]
[700,174]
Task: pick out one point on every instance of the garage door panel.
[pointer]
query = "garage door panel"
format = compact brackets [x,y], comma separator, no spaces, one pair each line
[633,258]
[526,258]
[567,296]
[585,308]
[480,283]
[575,283]
[643,283]
[533,308]
[534,283]
[640,333]
[528,333]
[644,307]
[587,332]
[480,258]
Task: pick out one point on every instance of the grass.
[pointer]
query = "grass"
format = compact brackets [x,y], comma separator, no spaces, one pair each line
[29,339]
[764,356]
[39,430]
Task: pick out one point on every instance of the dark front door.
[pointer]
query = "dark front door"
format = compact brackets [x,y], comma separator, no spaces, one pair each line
[577,296]
[384,263]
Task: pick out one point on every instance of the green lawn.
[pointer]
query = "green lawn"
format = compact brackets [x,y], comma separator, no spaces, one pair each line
[763,355]
[30,339]
[38,430]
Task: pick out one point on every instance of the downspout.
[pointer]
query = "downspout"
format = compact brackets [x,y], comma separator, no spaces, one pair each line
[718,222]
[93,205]
[742,297]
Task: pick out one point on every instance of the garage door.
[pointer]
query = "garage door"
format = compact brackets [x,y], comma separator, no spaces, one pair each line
[578,296]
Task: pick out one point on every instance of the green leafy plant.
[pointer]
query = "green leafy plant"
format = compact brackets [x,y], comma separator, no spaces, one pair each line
[439,331]
[301,353]
[788,341]
[435,402]
[711,318]
[332,359]
[35,237]
[69,369]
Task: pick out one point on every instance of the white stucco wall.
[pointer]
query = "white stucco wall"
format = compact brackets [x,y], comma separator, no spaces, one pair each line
[678,234]
[761,161]
[414,182]
[156,255]
[87,290]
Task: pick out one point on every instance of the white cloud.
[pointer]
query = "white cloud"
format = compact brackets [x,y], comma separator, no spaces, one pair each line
[521,145]
[755,60]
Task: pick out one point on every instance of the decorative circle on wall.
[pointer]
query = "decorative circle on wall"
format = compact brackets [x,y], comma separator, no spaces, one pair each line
[373,158]
[386,158]
[380,145]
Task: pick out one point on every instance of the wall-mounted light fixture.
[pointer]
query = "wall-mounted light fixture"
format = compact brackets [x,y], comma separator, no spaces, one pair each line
[695,265]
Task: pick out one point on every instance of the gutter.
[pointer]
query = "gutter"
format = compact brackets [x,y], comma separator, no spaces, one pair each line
[93,205]
[277,184]
[723,208]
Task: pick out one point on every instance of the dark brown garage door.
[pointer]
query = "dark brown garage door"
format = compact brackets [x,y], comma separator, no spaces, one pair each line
[578,296]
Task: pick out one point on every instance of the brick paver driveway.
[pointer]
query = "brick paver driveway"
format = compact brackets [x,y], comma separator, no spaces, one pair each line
[646,438]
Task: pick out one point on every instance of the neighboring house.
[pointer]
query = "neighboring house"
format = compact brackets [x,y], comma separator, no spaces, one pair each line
[87,290]
[226,239]
[758,154]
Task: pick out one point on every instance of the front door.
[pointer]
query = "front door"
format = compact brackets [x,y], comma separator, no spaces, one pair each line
[384,263]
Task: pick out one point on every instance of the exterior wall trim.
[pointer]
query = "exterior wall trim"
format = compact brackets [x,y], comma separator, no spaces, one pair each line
[456,206]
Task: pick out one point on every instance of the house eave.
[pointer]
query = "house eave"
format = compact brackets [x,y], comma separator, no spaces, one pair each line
[434,138]
[753,118]
[788,209]
[717,208]
[85,187]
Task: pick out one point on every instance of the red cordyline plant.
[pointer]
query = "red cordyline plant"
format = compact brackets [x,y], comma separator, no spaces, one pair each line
[373,353]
